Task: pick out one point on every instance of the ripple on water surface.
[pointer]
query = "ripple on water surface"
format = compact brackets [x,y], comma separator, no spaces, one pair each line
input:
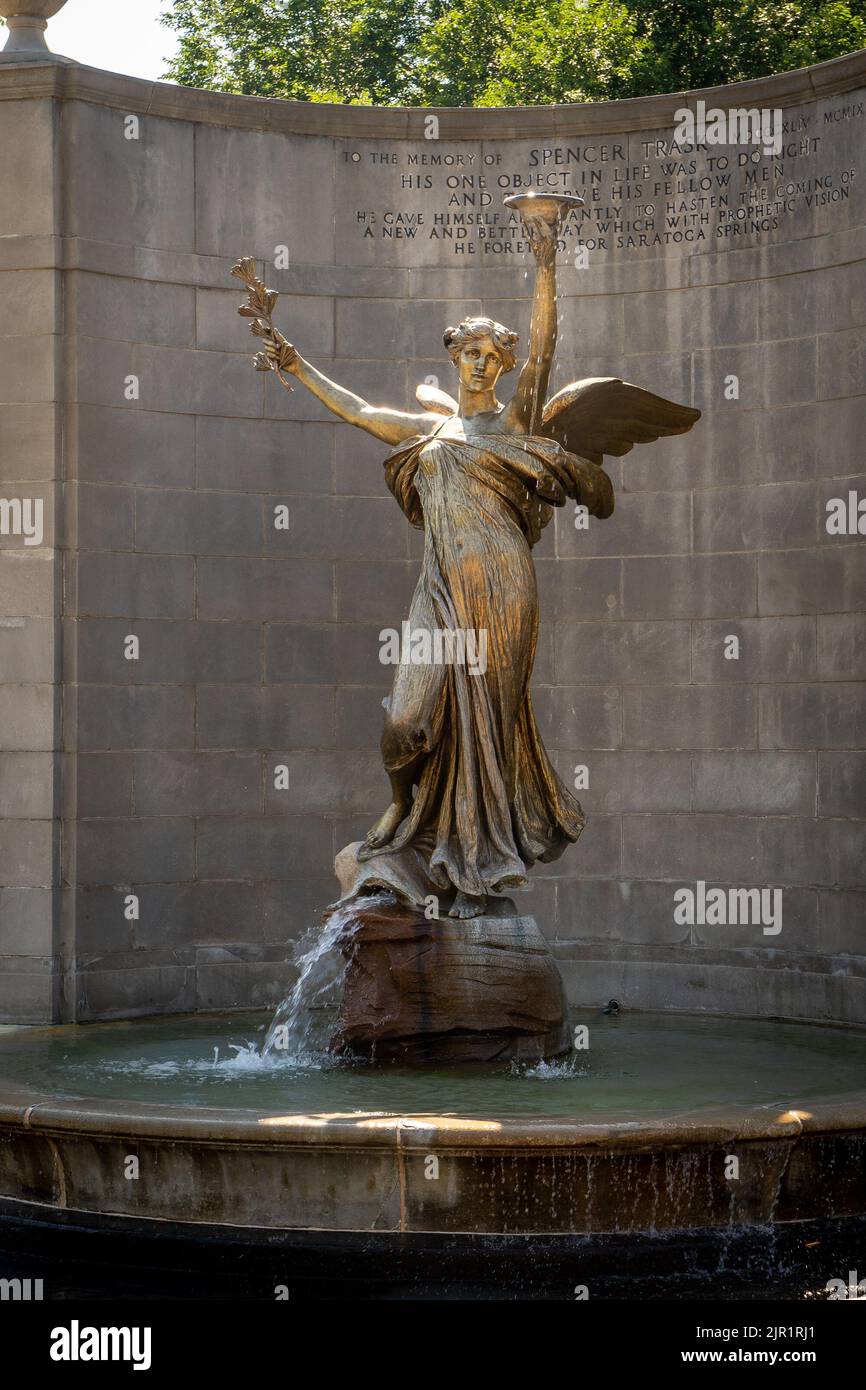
[637,1063]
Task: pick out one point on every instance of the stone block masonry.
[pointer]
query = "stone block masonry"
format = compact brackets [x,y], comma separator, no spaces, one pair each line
[190,694]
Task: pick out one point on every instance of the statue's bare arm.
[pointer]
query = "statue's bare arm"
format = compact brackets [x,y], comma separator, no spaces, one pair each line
[523,412]
[390,425]
[282,357]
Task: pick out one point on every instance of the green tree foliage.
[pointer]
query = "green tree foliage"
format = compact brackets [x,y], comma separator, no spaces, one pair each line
[499,52]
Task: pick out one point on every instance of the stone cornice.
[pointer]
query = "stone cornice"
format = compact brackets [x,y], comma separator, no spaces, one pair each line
[71,82]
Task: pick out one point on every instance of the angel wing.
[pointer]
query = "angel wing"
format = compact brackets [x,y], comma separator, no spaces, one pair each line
[606,415]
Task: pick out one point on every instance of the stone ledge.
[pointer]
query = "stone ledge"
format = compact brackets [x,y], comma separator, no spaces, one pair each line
[24,1110]
[68,82]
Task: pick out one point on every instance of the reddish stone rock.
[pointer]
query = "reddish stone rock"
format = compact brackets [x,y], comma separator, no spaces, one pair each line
[482,990]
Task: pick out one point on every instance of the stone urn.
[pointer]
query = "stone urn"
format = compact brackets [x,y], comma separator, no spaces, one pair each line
[27,21]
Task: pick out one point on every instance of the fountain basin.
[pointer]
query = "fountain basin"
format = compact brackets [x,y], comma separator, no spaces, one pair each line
[637,1139]
[496,1176]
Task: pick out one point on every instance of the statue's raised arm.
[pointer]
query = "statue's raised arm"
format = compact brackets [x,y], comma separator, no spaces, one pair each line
[542,219]
[283,359]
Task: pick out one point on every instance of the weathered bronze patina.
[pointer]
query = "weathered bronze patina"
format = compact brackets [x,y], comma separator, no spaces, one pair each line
[475,800]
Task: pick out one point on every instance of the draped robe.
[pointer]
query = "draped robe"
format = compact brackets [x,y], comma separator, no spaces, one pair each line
[488,802]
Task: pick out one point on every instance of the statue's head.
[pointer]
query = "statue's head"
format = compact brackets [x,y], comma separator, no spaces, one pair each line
[481,350]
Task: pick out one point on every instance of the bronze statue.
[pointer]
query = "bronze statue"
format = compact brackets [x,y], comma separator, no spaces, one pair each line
[475,800]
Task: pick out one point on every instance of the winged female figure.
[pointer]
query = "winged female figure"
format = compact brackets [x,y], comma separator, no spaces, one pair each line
[475,800]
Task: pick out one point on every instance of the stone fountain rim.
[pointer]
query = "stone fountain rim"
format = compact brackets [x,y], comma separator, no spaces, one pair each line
[44,1111]
[40,1112]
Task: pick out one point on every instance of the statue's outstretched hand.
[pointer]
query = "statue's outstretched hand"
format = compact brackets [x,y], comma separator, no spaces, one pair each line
[279,355]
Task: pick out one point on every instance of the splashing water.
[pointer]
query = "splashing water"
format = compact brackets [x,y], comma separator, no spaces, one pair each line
[564,1069]
[295,1029]
[302,1025]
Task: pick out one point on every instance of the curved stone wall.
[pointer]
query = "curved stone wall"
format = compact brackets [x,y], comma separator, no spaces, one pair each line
[148,862]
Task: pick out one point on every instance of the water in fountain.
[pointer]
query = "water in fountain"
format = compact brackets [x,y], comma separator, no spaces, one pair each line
[302,1025]
[639,1066]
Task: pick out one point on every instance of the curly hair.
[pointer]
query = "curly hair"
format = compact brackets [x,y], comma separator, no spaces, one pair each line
[467,330]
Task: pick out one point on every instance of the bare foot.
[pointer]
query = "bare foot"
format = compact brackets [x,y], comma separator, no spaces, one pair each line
[386,826]
[465,905]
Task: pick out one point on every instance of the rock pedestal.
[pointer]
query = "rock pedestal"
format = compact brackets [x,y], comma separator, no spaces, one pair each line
[482,990]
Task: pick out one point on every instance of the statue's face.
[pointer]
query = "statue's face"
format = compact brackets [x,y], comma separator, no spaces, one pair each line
[479,365]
